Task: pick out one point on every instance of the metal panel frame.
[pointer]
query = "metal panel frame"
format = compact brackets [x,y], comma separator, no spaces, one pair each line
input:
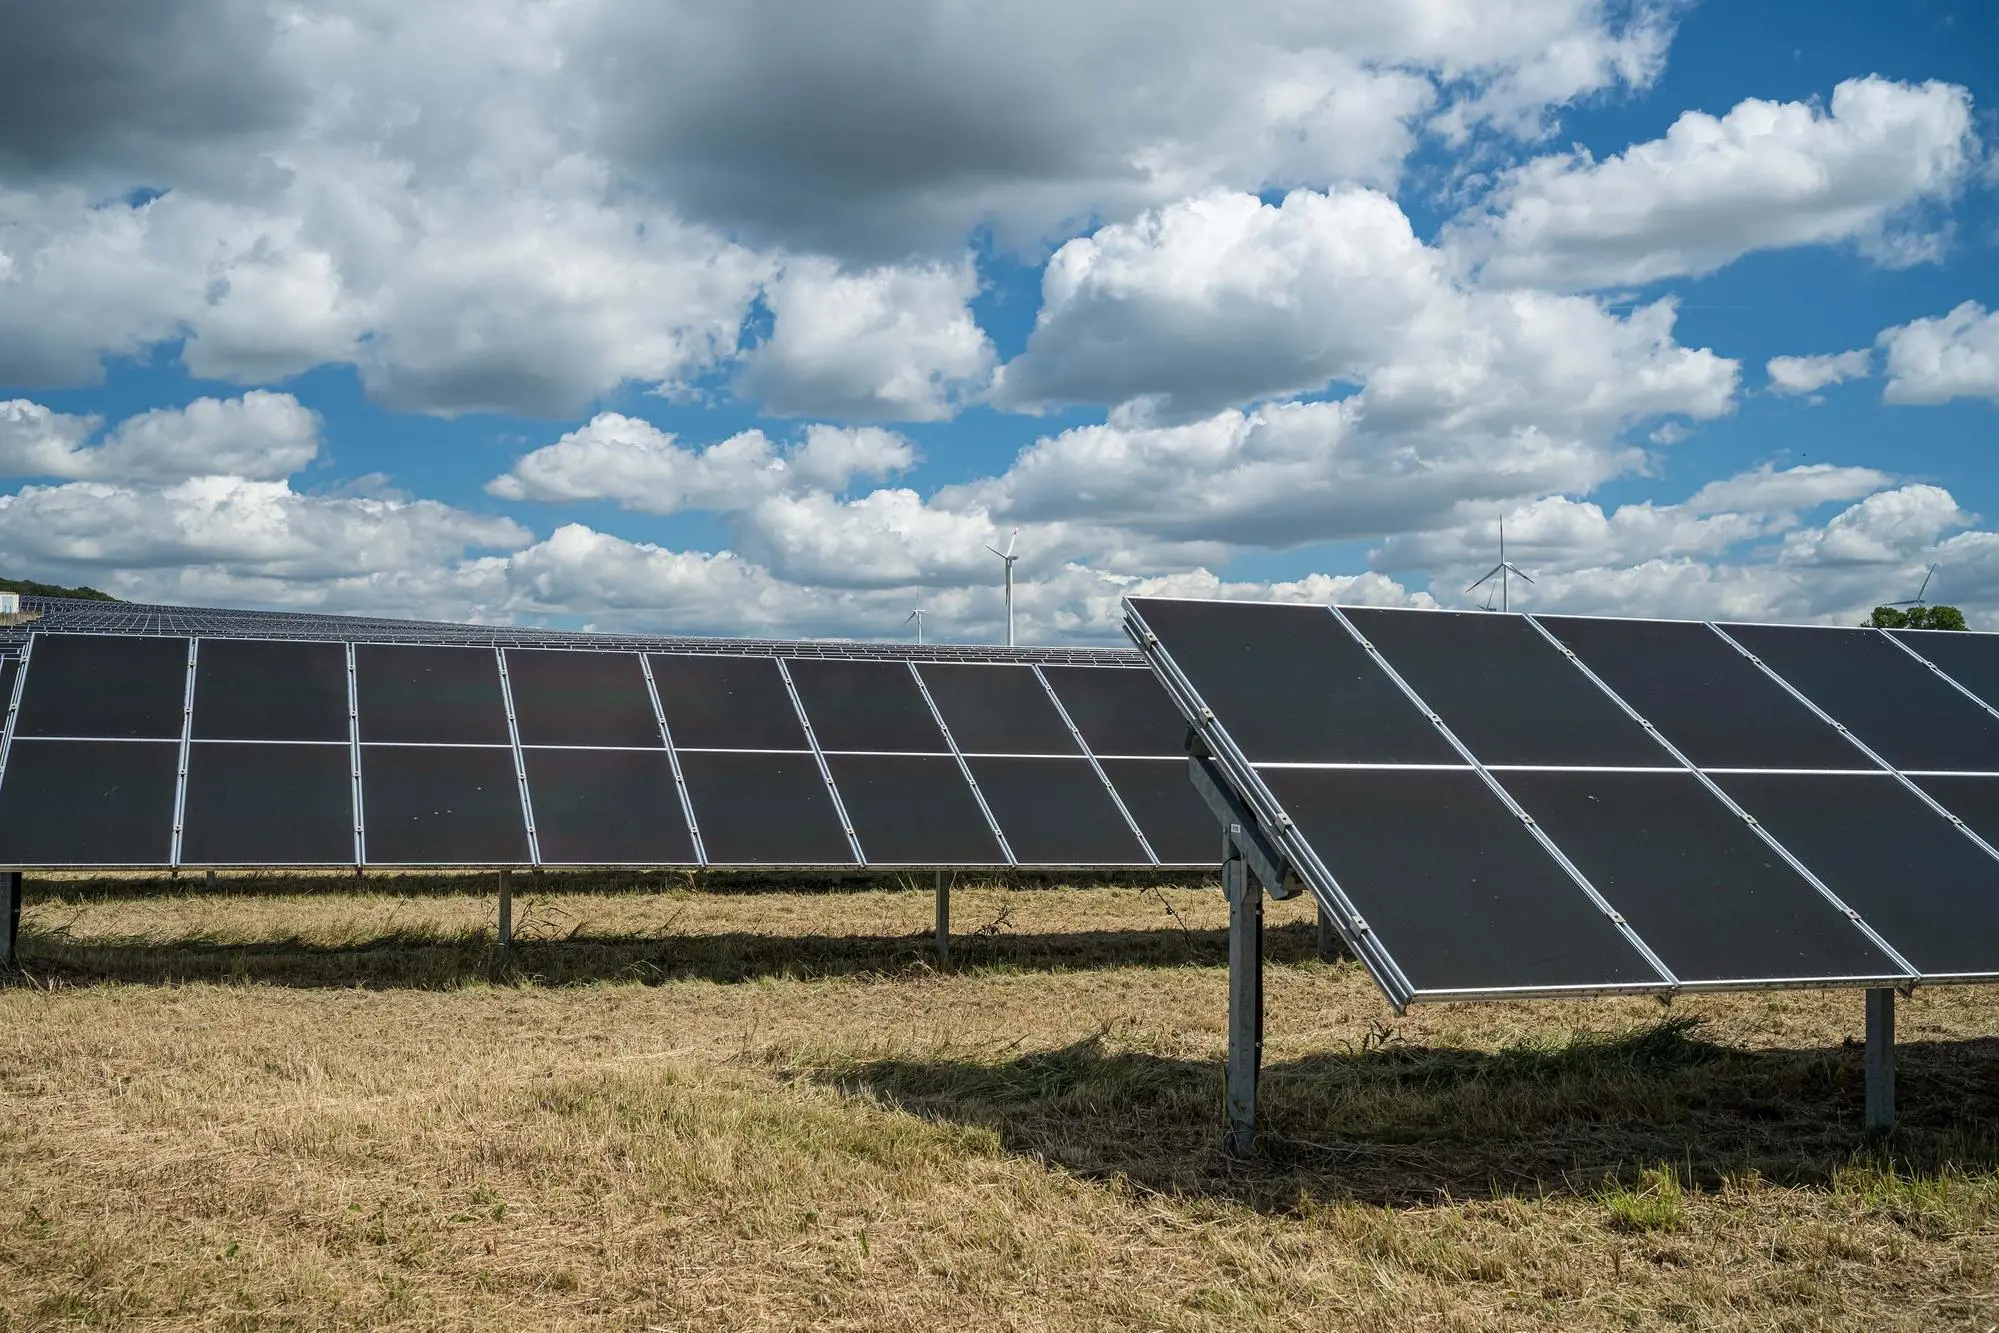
[186,733]
[354,762]
[520,761]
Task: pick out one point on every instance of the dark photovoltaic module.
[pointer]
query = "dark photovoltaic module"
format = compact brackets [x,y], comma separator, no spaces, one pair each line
[1509,805]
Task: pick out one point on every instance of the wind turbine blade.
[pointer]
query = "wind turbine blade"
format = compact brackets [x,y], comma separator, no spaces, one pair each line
[1012,537]
[1926,583]
[996,551]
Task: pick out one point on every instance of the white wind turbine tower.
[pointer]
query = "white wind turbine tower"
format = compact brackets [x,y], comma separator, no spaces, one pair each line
[1504,571]
[1009,557]
[917,616]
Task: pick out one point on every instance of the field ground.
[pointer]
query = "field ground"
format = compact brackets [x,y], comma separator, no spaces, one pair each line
[766,1109]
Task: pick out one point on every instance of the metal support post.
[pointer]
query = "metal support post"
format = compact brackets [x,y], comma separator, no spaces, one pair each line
[1245,1057]
[506,908]
[943,921]
[1328,941]
[208,880]
[1880,1059]
[10,914]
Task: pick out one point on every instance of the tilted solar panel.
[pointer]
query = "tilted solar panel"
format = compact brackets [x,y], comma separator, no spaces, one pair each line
[1497,683]
[1742,806]
[1969,660]
[1703,694]
[1888,699]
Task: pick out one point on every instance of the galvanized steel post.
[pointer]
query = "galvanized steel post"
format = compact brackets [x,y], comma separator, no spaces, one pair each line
[10,914]
[1245,1055]
[506,907]
[943,921]
[1880,1059]
[1328,945]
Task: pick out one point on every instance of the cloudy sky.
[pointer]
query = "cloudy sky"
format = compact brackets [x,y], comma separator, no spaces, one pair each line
[766,317]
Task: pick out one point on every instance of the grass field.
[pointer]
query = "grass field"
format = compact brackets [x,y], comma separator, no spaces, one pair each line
[763,1110]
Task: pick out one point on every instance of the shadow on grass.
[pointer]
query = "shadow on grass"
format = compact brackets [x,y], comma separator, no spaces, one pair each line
[1399,1125]
[434,960]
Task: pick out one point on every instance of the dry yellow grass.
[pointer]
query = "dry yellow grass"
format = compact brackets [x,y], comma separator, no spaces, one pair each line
[768,1110]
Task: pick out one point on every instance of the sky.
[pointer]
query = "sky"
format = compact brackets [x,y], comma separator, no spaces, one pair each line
[769,318]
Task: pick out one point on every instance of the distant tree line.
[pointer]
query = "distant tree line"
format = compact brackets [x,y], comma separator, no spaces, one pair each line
[1917,617]
[30,588]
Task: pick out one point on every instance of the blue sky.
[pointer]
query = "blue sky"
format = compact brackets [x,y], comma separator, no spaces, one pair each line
[765,320]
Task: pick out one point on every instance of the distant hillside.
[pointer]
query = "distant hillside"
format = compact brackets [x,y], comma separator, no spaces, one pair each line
[30,588]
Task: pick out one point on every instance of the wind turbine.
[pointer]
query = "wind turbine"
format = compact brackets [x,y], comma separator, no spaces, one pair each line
[1503,571]
[1917,600]
[1009,557]
[917,616]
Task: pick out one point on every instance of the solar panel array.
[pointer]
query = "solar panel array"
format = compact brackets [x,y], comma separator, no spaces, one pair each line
[1540,805]
[136,750]
[79,616]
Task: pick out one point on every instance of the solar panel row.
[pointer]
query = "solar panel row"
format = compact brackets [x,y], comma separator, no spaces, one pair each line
[1504,804]
[129,750]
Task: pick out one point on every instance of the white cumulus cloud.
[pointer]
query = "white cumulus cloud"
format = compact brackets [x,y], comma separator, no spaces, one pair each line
[261,436]
[890,343]
[1809,374]
[1765,175]
[1951,356]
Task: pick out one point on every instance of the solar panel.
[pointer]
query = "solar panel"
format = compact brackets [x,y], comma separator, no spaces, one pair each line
[268,690]
[865,707]
[607,807]
[1176,822]
[1931,891]
[764,808]
[998,709]
[432,696]
[442,805]
[1974,799]
[1120,712]
[1703,695]
[1972,660]
[101,687]
[1885,697]
[1294,685]
[455,754]
[9,668]
[80,803]
[1714,901]
[726,703]
[1056,812]
[589,699]
[277,803]
[1505,690]
[1600,829]
[1444,873]
[913,809]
